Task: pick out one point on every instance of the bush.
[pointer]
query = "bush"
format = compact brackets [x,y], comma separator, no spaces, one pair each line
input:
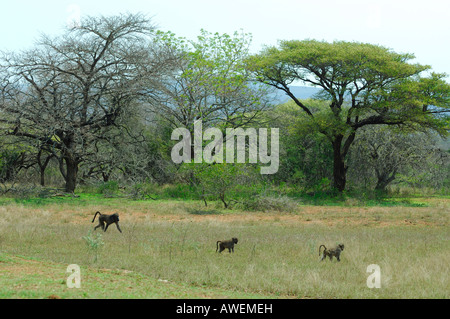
[266,203]
[220,181]
[141,191]
[108,189]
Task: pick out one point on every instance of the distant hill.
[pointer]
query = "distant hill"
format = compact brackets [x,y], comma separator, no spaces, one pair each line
[300,92]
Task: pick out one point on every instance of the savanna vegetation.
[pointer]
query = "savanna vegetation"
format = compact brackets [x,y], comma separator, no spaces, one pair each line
[167,249]
[86,124]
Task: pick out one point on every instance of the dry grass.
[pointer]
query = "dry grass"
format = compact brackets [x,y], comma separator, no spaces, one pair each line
[277,254]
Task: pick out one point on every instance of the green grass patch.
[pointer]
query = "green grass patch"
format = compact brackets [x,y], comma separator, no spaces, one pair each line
[244,197]
[31,279]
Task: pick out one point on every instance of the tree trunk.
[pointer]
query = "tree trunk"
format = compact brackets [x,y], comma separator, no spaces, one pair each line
[42,172]
[43,166]
[105,177]
[222,198]
[383,180]
[71,174]
[339,167]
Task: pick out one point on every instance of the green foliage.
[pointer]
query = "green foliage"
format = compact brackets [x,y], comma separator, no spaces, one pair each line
[347,61]
[108,189]
[179,191]
[142,191]
[211,78]
[379,84]
[211,82]
[362,84]
[305,154]
[11,160]
[94,243]
[219,181]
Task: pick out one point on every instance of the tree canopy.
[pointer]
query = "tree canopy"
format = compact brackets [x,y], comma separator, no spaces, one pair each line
[363,84]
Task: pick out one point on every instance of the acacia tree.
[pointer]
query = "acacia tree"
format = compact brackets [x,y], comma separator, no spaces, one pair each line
[363,84]
[67,92]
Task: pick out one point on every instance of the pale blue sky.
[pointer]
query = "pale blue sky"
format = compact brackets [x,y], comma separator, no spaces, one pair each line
[414,26]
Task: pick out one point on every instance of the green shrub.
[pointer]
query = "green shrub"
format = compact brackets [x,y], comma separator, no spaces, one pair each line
[108,189]
[94,243]
[279,203]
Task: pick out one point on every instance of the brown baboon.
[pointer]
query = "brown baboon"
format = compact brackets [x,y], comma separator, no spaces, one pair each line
[332,252]
[226,244]
[106,219]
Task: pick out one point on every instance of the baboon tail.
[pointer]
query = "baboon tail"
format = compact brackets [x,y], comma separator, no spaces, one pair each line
[217,245]
[96,215]
[323,247]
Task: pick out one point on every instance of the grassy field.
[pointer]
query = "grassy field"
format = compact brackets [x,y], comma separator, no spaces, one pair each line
[167,250]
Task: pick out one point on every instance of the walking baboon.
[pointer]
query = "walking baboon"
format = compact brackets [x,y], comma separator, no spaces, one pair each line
[336,251]
[226,244]
[106,219]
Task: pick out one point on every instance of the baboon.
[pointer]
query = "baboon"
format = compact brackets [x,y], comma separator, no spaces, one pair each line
[106,219]
[226,244]
[336,251]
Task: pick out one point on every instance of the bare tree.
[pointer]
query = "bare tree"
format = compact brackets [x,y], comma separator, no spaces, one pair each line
[381,156]
[68,92]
